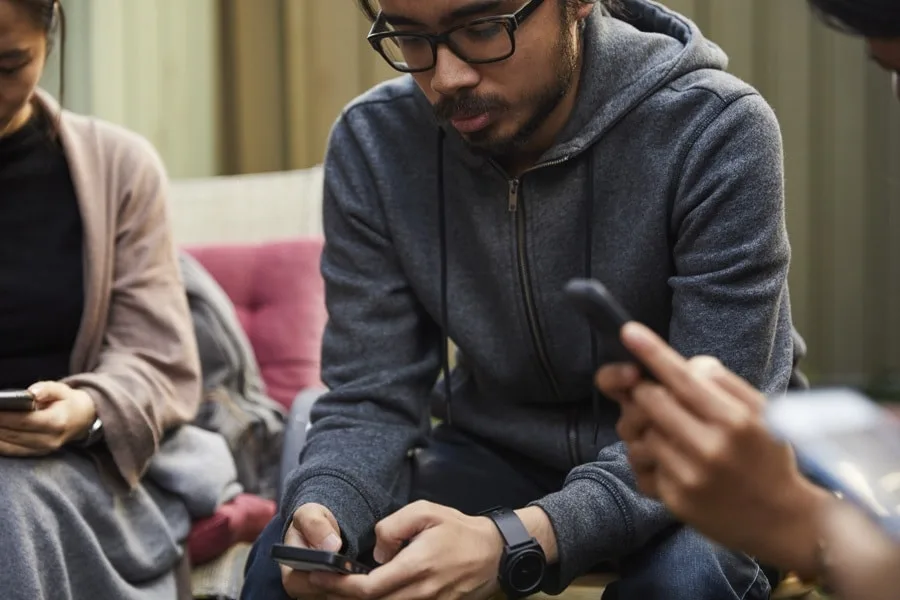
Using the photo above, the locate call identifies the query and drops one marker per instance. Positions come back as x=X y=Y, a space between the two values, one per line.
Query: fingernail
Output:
x=378 y=555
x=635 y=333
x=332 y=543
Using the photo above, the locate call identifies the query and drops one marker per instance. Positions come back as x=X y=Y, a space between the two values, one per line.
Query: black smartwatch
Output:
x=523 y=562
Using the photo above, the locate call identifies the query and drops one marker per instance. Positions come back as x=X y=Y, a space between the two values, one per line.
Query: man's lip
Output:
x=471 y=123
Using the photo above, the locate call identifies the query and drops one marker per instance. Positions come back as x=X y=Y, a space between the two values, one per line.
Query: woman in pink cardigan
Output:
x=94 y=323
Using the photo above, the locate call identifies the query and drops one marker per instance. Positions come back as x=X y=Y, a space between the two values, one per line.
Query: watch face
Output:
x=527 y=571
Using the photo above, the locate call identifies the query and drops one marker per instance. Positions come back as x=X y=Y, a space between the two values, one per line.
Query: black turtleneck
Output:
x=41 y=269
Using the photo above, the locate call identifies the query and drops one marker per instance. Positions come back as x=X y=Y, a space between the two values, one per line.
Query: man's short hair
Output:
x=868 y=18
x=370 y=7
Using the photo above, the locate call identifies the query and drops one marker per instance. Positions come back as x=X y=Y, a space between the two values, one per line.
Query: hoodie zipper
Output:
x=531 y=311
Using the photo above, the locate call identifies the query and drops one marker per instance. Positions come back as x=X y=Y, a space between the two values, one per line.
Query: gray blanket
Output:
x=70 y=534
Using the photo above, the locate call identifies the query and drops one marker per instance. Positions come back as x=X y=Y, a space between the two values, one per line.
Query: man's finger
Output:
x=699 y=395
x=632 y=423
x=674 y=472
x=394 y=531
x=737 y=386
x=671 y=419
x=387 y=578
x=616 y=380
x=317 y=527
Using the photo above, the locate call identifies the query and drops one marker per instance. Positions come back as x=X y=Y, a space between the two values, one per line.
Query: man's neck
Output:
x=546 y=135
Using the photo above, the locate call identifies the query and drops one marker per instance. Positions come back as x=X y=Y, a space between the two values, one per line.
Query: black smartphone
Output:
x=606 y=316
x=306 y=559
x=17 y=400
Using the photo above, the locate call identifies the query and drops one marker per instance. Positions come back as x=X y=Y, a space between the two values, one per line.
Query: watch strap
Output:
x=510 y=526
x=94 y=435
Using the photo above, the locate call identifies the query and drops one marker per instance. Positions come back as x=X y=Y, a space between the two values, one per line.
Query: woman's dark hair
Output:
x=370 y=7
x=868 y=18
x=49 y=16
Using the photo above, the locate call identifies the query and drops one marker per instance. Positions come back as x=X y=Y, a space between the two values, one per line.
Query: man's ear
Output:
x=584 y=9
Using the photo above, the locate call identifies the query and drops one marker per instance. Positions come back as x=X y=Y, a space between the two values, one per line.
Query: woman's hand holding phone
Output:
x=61 y=415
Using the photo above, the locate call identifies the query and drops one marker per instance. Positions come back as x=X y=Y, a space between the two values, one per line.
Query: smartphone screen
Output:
x=847 y=443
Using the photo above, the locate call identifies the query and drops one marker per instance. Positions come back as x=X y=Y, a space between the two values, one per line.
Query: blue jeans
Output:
x=468 y=475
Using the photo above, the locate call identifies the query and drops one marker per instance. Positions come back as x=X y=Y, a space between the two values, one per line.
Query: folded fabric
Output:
x=196 y=466
x=241 y=520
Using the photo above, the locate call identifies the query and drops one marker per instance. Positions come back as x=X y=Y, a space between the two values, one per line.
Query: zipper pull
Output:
x=513 y=195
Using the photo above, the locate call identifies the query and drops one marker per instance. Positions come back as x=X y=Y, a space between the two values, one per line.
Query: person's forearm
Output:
x=538 y=525
x=795 y=534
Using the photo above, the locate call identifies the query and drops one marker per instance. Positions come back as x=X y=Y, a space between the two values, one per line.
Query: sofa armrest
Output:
x=295 y=431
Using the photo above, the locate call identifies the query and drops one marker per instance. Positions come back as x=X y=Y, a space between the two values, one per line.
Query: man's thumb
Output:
x=318 y=528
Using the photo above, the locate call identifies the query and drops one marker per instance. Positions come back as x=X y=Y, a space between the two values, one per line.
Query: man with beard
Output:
x=534 y=141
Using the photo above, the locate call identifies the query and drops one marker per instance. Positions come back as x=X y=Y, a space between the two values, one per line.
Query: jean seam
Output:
x=752 y=581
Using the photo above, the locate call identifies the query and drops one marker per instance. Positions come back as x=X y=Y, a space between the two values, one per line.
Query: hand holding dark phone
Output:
x=606 y=317
x=17 y=400
x=306 y=559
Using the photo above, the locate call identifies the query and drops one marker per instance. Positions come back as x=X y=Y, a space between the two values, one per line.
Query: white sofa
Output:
x=247 y=208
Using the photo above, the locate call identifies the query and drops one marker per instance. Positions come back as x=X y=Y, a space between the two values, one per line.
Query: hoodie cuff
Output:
x=589 y=526
x=350 y=509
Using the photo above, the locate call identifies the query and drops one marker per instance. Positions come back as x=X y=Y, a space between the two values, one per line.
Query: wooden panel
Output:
x=731 y=26
x=151 y=67
x=783 y=67
x=299 y=37
x=259 y=97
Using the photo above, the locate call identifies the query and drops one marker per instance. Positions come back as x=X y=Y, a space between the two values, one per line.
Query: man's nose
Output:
x=452 y=74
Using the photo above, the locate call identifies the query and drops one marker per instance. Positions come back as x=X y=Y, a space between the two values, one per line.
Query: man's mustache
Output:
x=469 y=105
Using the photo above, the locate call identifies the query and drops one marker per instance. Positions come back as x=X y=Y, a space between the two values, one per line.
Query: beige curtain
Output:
x=291 y=65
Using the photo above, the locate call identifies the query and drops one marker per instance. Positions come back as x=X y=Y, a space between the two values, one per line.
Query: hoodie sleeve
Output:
x=730 y=300
x=380 y=359
x=731 y=251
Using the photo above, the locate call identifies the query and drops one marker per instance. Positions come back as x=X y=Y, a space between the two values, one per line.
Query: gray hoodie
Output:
x=666 y=184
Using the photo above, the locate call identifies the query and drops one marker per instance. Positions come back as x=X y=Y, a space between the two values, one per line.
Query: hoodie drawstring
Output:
x=442 y=235
x=588 y=270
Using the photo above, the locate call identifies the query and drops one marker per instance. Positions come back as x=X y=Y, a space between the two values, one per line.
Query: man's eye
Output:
x=9 y=71
x=484 y=31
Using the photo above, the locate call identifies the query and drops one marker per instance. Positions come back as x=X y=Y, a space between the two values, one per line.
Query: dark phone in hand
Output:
x=306 y=559
x=17 y=400
x=606 y=316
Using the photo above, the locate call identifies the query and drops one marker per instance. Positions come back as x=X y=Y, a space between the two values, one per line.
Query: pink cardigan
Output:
x=135 y=352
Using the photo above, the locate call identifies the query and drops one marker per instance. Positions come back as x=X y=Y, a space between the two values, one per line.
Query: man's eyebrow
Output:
x=475 y=9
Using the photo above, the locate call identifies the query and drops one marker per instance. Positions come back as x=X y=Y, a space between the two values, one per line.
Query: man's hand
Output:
x=618 y=382
x=312 y=526
x=717 y=467
x=62 y=415
x=449 y=555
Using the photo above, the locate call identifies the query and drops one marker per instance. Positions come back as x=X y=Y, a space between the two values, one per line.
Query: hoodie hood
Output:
x=621 y=66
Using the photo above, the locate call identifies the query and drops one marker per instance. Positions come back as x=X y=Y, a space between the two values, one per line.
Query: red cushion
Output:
x=279 y=296
x=241 y=520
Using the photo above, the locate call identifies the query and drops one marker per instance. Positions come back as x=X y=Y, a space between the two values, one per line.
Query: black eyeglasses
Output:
x=484 y=40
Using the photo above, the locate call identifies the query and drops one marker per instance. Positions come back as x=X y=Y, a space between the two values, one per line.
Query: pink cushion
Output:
x=241 y=520
x=279 y=296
